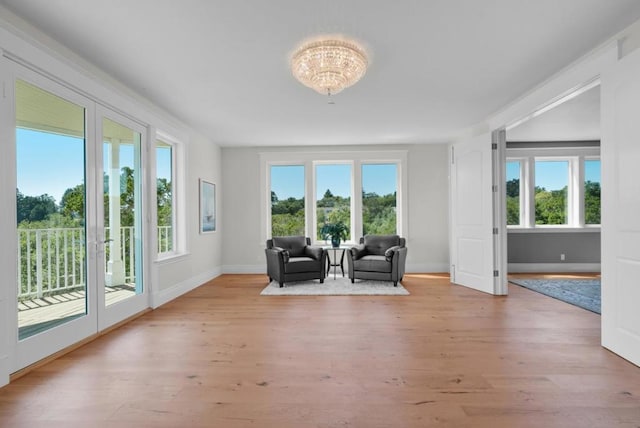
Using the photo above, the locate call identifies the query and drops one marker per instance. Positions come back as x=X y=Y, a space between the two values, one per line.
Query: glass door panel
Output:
x=122 y=212
x=51 y=219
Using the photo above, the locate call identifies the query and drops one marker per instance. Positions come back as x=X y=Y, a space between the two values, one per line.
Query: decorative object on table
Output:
x=337 y=287
x=378 y=257
x=329 y=63
x=335 y=231
x=207 y=207
x=583 y=292
x=293 y=258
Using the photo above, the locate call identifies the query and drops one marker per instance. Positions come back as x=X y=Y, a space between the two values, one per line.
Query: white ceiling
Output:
x=438 y=66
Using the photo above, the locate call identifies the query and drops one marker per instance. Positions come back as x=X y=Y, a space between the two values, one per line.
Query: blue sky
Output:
x=288 y=180
x=553 y=175
x=51 y=163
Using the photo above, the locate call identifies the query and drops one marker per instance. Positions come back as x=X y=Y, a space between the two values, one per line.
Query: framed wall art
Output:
x=207 y=207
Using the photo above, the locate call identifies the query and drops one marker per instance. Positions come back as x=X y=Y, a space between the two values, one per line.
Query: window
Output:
x=551 y=191
x=379 y=188
x=592 y=191
x=287 y=200
x=164 y=193
x=513 y=193
x=553 y=187
x=333 y=195
x=304 y=190
x=170 y=196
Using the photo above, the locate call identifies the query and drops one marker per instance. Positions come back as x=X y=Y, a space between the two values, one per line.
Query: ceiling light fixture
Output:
x=329 y=64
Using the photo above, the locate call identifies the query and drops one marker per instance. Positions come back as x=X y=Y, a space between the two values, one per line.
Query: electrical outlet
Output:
x=561 y=257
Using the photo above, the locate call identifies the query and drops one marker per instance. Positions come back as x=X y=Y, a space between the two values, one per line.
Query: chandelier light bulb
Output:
x=329 y=65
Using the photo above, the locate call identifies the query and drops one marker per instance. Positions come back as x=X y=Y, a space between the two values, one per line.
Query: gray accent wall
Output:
x=578 y=247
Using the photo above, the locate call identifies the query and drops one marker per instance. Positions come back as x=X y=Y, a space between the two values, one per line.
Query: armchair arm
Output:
x=275 y=264
x=390 y=252
x=357 y=251
x=313 y=252
x=284 y=253
x=398 y=261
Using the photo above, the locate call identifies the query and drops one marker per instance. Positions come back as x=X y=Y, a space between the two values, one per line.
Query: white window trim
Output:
x=178 y=195
x=575 y=194
x=356 y=159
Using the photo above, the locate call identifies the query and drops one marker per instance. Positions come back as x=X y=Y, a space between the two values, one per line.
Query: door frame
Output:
x=34 y=348
x=22 y=353
x=110 y=315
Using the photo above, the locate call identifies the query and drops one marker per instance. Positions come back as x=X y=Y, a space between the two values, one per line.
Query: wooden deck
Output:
x=445 y=356
x=37 y=315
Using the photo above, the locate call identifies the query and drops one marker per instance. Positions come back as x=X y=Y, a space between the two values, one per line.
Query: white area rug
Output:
x=335 y=287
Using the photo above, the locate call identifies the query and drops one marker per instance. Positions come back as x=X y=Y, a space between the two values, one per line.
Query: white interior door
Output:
x=620 y=153
x=472 y=239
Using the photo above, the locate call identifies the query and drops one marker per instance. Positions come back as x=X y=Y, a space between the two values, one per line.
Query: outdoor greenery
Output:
x=45 y=227
x=551 y=205
x=378 y=212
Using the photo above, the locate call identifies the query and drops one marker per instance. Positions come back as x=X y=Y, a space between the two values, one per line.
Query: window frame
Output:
x=179 y=231
x=575 y=191
x=356 y=159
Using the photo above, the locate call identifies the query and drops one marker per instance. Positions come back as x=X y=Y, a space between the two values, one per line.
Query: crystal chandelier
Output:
x=329 y=64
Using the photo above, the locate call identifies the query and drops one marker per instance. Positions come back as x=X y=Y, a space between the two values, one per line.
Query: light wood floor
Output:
x=445 y=356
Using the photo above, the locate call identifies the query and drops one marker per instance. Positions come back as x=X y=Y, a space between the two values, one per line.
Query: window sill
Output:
x=553 y=229
x=168 y=258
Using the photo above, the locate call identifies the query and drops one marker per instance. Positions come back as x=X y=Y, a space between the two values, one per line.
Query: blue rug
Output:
x=584 y=293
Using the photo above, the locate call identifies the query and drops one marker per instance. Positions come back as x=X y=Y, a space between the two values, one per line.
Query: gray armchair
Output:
x=378 y=257
x=293 y=258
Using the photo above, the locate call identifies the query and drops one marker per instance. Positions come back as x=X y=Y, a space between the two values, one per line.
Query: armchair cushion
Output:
x=378 y=244
x=302 y=264
x=372 y=263
x=293 y=244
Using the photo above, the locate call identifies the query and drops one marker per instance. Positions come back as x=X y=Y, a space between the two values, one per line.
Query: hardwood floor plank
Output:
x=444 y=356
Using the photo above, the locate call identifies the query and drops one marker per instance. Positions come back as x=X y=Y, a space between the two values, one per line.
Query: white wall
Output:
x=203 y=261
x=427 y=204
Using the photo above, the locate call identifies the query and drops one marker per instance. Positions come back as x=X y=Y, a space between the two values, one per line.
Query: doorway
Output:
x=552 y=186
x=79 y=217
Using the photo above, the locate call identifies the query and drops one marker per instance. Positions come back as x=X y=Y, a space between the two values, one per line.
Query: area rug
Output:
x=584 y=293
x=335 y=287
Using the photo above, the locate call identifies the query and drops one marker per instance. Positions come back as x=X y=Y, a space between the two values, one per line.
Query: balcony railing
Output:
x=52 y=261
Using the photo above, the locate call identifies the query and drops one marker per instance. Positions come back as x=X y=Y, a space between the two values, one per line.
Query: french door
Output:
x=79 y=217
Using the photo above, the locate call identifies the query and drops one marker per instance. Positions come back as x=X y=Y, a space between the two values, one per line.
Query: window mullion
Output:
x=530 y=202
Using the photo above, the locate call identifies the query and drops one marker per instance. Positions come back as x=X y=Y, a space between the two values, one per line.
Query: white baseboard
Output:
x=245 y=269
x=427 y=268
x=553 y=267
x=410 y=268
x=160 y=298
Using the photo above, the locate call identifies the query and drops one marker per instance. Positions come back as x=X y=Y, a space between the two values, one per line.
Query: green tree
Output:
x=164 y=199
x=34 y=208
x=592 y=202
x=287 y=216
x=72 y=203
x=551 y=206
x=378 y=213
x=513 y=201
